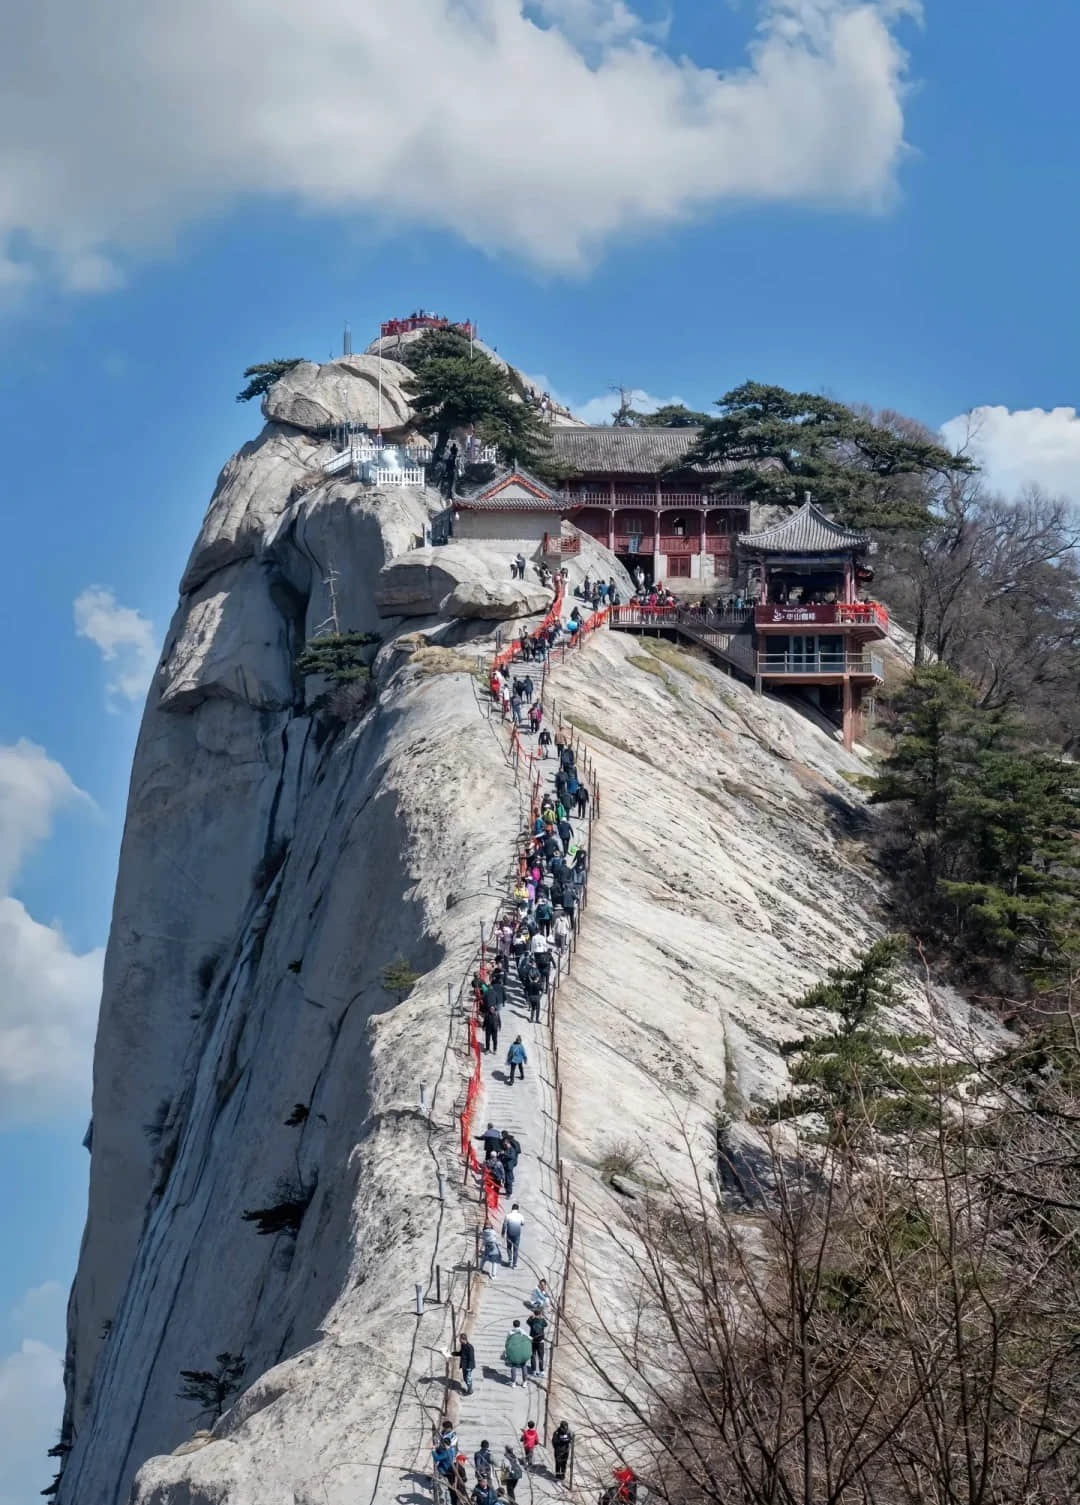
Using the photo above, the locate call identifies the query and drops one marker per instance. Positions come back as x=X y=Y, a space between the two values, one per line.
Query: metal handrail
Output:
x=821 y=663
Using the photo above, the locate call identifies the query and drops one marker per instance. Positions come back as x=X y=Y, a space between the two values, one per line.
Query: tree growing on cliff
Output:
x=212 y=1388
x=458 y=391
x=341 y=657
x=264 y=375
x=983 y=844
x=399 y=978
x=868 y=473
x=857 y=1073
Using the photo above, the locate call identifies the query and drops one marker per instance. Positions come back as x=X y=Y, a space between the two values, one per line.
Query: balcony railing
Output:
x=633 y=543
x=556 y=545
x=832 y=664
x=678 y=543
x=828 y=614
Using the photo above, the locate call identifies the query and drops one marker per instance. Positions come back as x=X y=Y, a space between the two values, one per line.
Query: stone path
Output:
x=497 y=1410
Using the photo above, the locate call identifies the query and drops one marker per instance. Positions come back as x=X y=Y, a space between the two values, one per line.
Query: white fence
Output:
x=412 y=475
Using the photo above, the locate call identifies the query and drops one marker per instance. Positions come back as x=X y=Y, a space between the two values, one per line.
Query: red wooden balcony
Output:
x=556 y=545
x=633 y=543
x=672 y=543
x=868 y=615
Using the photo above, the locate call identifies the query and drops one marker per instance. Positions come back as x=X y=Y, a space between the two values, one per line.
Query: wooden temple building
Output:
x=624 y=488
x=807 y=577
x=627 y=489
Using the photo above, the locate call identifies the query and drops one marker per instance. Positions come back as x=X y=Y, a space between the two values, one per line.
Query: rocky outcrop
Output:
x=458 y=580
x=251 y=1058
x=317 y=398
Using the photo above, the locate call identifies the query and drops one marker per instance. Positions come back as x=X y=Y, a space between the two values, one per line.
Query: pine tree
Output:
x=264 y=375
x=212 y=1388
x=340 y=657
x=857 y=1072
x=783 y=444
x=673 y=415
x=987 y=860
x=458 y=391
x=399 y=978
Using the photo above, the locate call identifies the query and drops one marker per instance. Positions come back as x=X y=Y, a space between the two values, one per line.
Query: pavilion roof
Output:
x=627 y=451
x=512 y=490
x=807 y=531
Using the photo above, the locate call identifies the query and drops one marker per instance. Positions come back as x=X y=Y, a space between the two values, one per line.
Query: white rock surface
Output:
x=270 y=872
x=458 y=580
x=346 y=390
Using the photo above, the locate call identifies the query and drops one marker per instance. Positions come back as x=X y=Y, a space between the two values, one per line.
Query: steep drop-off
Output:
x=272 y=868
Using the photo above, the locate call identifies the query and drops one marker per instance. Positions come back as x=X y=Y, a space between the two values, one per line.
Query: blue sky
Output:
x=867 y=201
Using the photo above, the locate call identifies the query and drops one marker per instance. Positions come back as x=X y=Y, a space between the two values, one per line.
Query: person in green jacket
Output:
x=517 y=1351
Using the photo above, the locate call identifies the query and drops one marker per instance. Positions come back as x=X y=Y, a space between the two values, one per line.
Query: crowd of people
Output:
x=533 y=932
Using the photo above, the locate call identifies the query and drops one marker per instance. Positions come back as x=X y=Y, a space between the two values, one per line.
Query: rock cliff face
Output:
x=249 y=1056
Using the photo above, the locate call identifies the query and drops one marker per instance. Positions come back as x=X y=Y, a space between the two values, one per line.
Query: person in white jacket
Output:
x=513 y=1224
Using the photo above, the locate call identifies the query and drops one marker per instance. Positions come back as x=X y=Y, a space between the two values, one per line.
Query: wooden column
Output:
x=849 y=713
x=611 y=526
x=701 y=556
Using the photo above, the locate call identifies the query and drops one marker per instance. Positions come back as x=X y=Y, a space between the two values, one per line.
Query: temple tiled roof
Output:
x=618 y=451
x=512 y=490
x=807 y=531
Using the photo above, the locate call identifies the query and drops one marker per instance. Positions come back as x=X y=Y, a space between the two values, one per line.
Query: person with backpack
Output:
x=491 y=1022
x=490 y=1252
x=561 y=1440
x=544 y=741
x=581 y=801
x=444 y=1458
x=537 y=1327
x=459 y=1481
x=510 y=1472
x=517 y=1059
x=545 y=916
x=516 y=1351
x=484 y=1463
x=534 y=994
x=510 y=1154
x=530 y=1441
x=513 y=1227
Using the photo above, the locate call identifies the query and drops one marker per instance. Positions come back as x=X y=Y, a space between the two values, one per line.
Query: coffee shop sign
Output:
x=794 y=614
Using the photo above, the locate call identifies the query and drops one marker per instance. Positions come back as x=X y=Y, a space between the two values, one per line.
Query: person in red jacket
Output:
x=530 y=1441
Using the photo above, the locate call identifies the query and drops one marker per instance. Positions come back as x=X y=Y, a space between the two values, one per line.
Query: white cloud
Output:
x=544 y=138
x=1022 y=447
x=33 y=787
x=127 y=641
x=598 y=21
x=41 y=1314
x=31 y=1397
x=48 y=993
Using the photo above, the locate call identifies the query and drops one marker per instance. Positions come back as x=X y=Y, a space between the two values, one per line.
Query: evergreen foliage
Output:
x=673 y=415
x=264 y=375
x=985 y=833
x=212 y=1388
x=456 y=390
x=340 y=657
x=287 y=1213
x=435 y=344
x=783 y=444
x=399 y=978
x=856 y=1072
